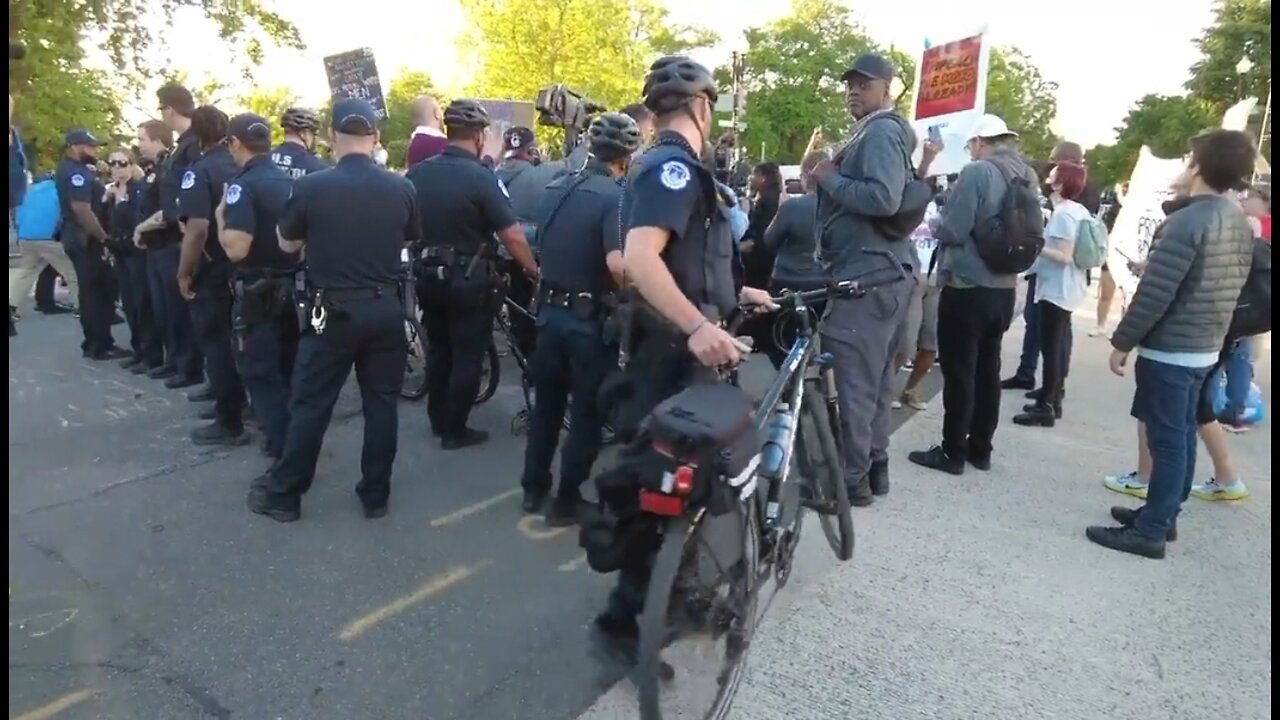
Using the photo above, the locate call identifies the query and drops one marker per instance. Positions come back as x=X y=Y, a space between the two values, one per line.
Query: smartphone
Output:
x=935 y=134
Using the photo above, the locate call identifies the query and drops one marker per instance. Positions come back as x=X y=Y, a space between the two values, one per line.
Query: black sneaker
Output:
x=860 y=494
x=1018 y=382
x=533 y=502
x=1127 y=540
x=177 y=382
x=217 y=434
x=1126 y=517
x=980 y=462
x=1035 y=416
x=563 y=513
x=164 y=372
x=935 y=458
x=878 y=477
x=260 y=503
x=465 y=439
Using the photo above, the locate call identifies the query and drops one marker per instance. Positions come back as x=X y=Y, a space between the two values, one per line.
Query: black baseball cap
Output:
x=353 y=116
x=80 y=136
x=249 y=127
x=518 y=137
x=872 y=65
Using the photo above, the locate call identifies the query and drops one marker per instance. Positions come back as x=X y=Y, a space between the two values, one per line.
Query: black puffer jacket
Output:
x=1198 y=264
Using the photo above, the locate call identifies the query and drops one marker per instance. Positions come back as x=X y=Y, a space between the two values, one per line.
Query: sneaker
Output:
x=911 y=398
x=1214 y=490
x=1128 y=483
x=1099 y=332
x=1018 y=383
x=1126 y=540
x=1127 y=516
x=935 y=458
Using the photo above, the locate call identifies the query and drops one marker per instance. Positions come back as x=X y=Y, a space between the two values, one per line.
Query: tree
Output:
x=1163 y=122
x=401 y=92
x=270 y=103
x=54 y=89
x=1018 y=93
x=1241 y=29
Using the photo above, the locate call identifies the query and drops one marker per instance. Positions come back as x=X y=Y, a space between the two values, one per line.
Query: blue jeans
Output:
x=1165 y=400
x=1238 y=366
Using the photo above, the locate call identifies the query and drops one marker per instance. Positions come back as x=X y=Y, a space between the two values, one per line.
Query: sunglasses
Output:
x=118 y=163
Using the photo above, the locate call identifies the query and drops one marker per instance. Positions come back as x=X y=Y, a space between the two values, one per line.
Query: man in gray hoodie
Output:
x=975 y=306
x=860 y=188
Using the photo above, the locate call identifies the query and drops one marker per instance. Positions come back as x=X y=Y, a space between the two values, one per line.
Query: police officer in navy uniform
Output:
x=264 y=317
x=580 y=255
x=295 y=156
x=204 y=276
x=354 y=220
x=80 y=201
x=463 y=205
x=678 y=255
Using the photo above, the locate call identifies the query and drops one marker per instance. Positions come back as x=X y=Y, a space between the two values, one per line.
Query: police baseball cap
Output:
x=81 y=137
x=353 y=116
x=871 y=65
x=249 y=127
x=517 y=138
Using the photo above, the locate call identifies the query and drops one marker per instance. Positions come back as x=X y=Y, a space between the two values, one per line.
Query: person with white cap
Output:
x=991 y=230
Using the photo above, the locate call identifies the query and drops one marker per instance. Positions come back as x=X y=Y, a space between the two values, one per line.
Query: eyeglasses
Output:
x=118 y=163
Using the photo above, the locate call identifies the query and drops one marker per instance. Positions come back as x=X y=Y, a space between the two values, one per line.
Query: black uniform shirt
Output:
x=665 y=196
x=578 y=227
x=76 y=182
x=461 y=202
x=254 y=203
x=173 y=169
x=149 y=204
x=355 y=218
x=295 y=160
x=201 y=193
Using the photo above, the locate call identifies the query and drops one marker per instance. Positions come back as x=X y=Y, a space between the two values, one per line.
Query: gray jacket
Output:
x=973 y=203
x=526 y=182
x=1199 y=261
x=874 y=170
x=790 y=237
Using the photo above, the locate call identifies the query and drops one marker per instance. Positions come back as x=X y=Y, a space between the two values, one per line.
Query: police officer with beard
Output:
x=264 y=319
x=463 y=205
x=354 y=221
x=294 y=155
x=678 y=254
x=580 y=255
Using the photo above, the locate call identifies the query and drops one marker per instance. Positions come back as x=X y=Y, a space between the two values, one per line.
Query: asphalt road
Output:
x=141 y=588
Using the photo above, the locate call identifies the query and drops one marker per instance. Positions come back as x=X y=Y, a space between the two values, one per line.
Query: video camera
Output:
x=558 y=106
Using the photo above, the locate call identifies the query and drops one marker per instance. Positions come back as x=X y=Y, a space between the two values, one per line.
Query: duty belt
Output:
x=326 y=303
x=582 y=303
x=452 y=256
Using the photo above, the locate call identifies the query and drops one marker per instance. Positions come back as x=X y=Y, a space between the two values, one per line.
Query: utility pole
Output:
x=736 y=67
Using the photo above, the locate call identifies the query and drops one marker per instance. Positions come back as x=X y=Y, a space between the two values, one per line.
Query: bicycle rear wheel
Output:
x=684 y=615
x=489 y=374
x=415 y=368
x=818 y=459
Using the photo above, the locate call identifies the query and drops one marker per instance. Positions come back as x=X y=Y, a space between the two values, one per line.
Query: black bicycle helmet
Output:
x=466 y=114
x=300 y=120
x=673 y=80
x=612 y=136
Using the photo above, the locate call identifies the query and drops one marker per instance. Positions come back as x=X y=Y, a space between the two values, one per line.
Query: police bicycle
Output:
x=710 y=567
x=414 y=385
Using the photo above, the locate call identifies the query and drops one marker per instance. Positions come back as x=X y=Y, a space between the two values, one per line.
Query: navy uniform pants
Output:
x=569 y=364
x=135 y=296
x=370 y=338
x=266 y=347
x=457 y=316
x=211 y=315
x=96 y=301
x=172 y=312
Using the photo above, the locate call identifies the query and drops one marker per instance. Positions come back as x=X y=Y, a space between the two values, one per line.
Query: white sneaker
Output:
x=1099 y=332
x=1212 y=489
x=1128 y=483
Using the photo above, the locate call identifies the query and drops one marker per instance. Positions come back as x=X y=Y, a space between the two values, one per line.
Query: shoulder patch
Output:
x=233 y=194
x=151 y=178
x=77 y=180
x=675 y=175
x=188 y=180
x=503 y=187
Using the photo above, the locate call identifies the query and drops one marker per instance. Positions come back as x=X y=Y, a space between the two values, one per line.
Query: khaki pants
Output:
x=35 y=255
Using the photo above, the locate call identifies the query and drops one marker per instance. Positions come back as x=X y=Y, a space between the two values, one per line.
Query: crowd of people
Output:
x=253 y=270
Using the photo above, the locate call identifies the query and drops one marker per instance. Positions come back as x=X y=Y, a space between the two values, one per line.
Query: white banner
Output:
x=951 y=94
x=1140 y=214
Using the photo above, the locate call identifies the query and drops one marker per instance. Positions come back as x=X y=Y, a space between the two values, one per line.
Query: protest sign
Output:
x=951 y=94
x=1141 y=212
x=354 y=74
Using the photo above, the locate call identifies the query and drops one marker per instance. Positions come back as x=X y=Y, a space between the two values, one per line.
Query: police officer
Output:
x=176 y=109
x=678 y=254
x=204 y=276
x=295 y=155
x=580 y=255
x=354 y=221
x=264 y=317
x=526 y=178
x=80 y=200
x=463 y=205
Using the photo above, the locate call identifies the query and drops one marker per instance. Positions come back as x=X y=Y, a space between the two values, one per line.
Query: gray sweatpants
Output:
x=863 y=334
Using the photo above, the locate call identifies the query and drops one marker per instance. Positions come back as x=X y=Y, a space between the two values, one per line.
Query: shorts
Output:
x=920 y=324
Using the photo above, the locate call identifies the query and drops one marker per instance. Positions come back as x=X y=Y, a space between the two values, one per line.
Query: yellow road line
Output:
x=573 y=564
x=529 y=527
x=46 y=712
x=469 y=510
x=431 y=588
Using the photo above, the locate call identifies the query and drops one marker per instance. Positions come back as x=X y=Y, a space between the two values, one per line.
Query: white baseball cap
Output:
x=990 y=126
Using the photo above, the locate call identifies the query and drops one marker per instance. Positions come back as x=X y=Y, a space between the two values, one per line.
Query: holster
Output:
x=262 y=300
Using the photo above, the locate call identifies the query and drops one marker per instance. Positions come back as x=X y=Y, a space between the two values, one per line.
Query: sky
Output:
x=1104 y=54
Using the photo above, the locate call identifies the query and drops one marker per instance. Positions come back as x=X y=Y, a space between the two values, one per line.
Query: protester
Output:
x=918 y=346
x=790 y=238
x=427 y=139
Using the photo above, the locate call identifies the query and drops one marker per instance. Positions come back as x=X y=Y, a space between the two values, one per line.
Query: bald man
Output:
x=427 y=139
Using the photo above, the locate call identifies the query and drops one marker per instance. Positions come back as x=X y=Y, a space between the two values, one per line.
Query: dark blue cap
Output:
x=249 y=127
x=80 y=136
x=353 y=116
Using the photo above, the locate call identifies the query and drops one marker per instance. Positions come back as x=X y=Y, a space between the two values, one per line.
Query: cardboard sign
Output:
x=354 y=74
x=951 y=95
x=1141 y=212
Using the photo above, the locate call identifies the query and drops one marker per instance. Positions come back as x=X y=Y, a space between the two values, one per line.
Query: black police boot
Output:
x=563 y=512
x=533 y=502
x=878 y=477
x=935 y=458
x=217 y=434
x=200 y=394
x=1037 y=415
x=177 y=382
x=261 y=503
x=465 y=439
x=1017 y=382
x=164 y=372
x=129 y=362
x=208 y=412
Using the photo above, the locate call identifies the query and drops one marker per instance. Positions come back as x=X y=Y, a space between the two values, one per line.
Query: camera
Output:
x=558 y=106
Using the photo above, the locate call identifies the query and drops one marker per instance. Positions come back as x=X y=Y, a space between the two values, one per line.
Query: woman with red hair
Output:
x=1060 y=288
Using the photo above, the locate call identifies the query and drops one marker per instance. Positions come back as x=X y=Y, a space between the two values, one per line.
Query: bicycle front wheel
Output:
x=414 y=385
x=489 y=374
x=818 y=458
x=700 y=615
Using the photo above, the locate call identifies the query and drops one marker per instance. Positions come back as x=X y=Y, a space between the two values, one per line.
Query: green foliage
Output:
x=401 y=92
x=270 y=103
x=1241 y=29
x=1162 y=122
x=1018 y=93
x=52 y=88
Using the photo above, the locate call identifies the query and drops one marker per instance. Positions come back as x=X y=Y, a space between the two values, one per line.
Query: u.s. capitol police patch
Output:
x=675 y=175
x=188 y=180
x=503 y=187
x=77 y=180
x=233 y=194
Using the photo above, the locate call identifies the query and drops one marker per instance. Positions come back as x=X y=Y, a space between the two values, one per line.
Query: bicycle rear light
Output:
x=682 y=481
x=656 y=503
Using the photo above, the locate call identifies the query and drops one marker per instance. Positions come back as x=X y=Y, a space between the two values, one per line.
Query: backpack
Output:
x=1015 y=237
x=1252 y=315
x=39 y=216
x=1091 y=244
